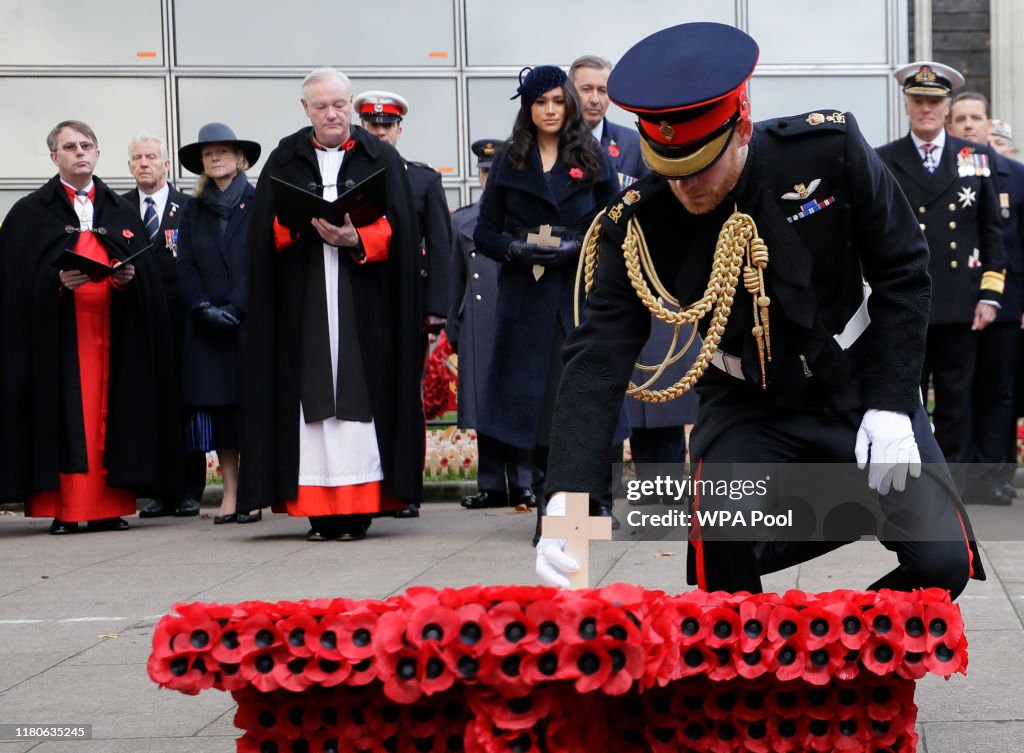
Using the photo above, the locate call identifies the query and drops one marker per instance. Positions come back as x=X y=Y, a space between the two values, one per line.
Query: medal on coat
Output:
x=974 y=260
x=1004 y=204
x=171 y=241
x=966 y=196
x=969 y=164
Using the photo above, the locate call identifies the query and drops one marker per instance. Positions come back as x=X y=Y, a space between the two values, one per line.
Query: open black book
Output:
x=97 y=270
x=364 y=203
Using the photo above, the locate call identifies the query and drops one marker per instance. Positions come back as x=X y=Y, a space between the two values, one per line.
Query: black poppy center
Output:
x=264 y=663
x=548 y=632
x=515 y=632
x=937 y=627
x=787 y=655
x=882 y=624
x=264 y=638
x=787 y=628
x=819 y=627
x=693 y=658
x=297 y=637
x=723 y=629
x=753 y=628
x=329 y=640
x=266 y=719
x=510 y=665
x=851 y=625
x=199 y=639
x=883 y=653
x=589 y=663
x=470 y=633
x=548 y=664
x=229 y=639
x=432 y=632
x=179 y=666
x=468 y=666
x=361 y=638
x=435 y=668
x=689 y=627
x=406 y=668
x=819 y=658
x=588 y=629
x=914 y=627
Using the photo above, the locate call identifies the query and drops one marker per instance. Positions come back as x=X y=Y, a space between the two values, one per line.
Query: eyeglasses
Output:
x=72 y=147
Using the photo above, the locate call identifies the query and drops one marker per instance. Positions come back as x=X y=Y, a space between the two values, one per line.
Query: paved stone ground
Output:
x=77 y=612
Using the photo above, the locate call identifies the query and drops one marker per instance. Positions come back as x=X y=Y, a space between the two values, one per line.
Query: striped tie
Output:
x=929 y=158
x=151 y=221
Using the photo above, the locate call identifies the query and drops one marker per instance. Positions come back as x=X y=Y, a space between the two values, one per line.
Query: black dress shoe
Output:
x=187 y=508
x=409 y=512
x=986 y=494
x=481 y=500
x=60 y=528
x=156 y=508
x=524 y=497
x=231 y=517
x=356 y=531
x=108 y=524
x=247 y=517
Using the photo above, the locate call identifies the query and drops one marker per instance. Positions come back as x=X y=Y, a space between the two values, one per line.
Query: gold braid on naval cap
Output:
x=738 y=246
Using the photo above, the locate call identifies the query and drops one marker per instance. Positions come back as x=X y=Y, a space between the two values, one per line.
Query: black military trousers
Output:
x=923 y=523
x=502 y=467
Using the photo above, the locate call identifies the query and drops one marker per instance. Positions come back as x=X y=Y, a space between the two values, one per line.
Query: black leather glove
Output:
x=217 y=320
x=530 y=253
x=568 y=251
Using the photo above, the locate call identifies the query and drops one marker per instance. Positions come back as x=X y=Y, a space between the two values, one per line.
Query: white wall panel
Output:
x=266 y=109
x=315 y=33
x=70 y=32
x=535 y=32
x=864 y=96
x=116 y=108
x=825 y=31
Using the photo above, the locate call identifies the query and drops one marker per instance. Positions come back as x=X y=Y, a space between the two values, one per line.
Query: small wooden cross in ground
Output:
x=578 y=529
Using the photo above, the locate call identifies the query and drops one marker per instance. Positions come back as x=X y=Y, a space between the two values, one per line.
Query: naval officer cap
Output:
x=687 y=86
x=928 y=79
x=485 y=149
x=381 y=107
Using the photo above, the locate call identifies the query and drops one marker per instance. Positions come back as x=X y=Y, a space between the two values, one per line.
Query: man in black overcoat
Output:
x=842 y=382
x=372 y=392
x=160 y=205
x=42 y=433
x=949 y=184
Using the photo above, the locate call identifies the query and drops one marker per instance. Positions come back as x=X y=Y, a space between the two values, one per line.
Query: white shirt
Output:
x=83 y=205
x=598 y=131
x=159 y=198
x=939 y=142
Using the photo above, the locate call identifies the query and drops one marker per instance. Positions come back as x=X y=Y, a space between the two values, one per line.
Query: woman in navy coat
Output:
x=212 y=239
x=551 y=173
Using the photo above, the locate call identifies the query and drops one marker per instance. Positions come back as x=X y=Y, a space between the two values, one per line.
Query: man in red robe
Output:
x=332 y=415
x=88 y=392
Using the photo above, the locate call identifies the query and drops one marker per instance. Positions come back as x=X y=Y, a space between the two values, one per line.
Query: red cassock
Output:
x=85 y=496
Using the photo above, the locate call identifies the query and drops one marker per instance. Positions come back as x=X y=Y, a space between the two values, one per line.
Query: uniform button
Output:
x=922 y=227
x=952 y=264
x=472 y=254
x=952 y=245
x=477 y=297
x=952 y=226
x=476 y=275
x=952 y=207
x=921 y=210
x=423 y=273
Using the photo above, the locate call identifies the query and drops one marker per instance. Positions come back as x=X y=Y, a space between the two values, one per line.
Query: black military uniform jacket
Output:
x=829 y=212
x=958 y=210
x=435 y=224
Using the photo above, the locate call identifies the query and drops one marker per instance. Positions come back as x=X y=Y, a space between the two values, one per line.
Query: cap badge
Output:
x=632 y=196
x=488 y=149
x=800 y=191
x=925 y=76
x=378 y=107
x=815 y=118
x=667 y=132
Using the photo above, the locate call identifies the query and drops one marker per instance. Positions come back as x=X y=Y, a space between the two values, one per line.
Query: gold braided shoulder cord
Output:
x=737 y=243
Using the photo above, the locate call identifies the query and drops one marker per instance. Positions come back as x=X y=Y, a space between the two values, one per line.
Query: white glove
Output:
x=552 y=561
x=893 y=451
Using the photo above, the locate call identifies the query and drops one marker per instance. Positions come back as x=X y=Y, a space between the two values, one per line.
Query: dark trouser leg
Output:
x=491 y=455
x=992 y=414
x=654 y=449
x=922 y=524
x=195 y=475
x=328 y=526
x=951 y=352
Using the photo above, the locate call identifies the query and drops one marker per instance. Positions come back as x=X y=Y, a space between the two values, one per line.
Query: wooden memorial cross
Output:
x=578 y=529
x=542 y=237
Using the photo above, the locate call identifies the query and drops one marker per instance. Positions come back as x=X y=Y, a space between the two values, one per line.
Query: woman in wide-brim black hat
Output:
x=211 y=267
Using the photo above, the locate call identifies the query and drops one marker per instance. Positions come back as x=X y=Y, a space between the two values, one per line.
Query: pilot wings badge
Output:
x=801 y=191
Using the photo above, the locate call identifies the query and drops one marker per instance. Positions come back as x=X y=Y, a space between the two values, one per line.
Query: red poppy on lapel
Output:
x=613 y=150
x=576 y=173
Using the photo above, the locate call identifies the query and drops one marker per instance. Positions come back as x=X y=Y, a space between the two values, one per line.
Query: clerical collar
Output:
x=320 y=147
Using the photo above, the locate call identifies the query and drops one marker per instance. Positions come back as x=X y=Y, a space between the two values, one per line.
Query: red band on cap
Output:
x=688 y=131
x=376 y=108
